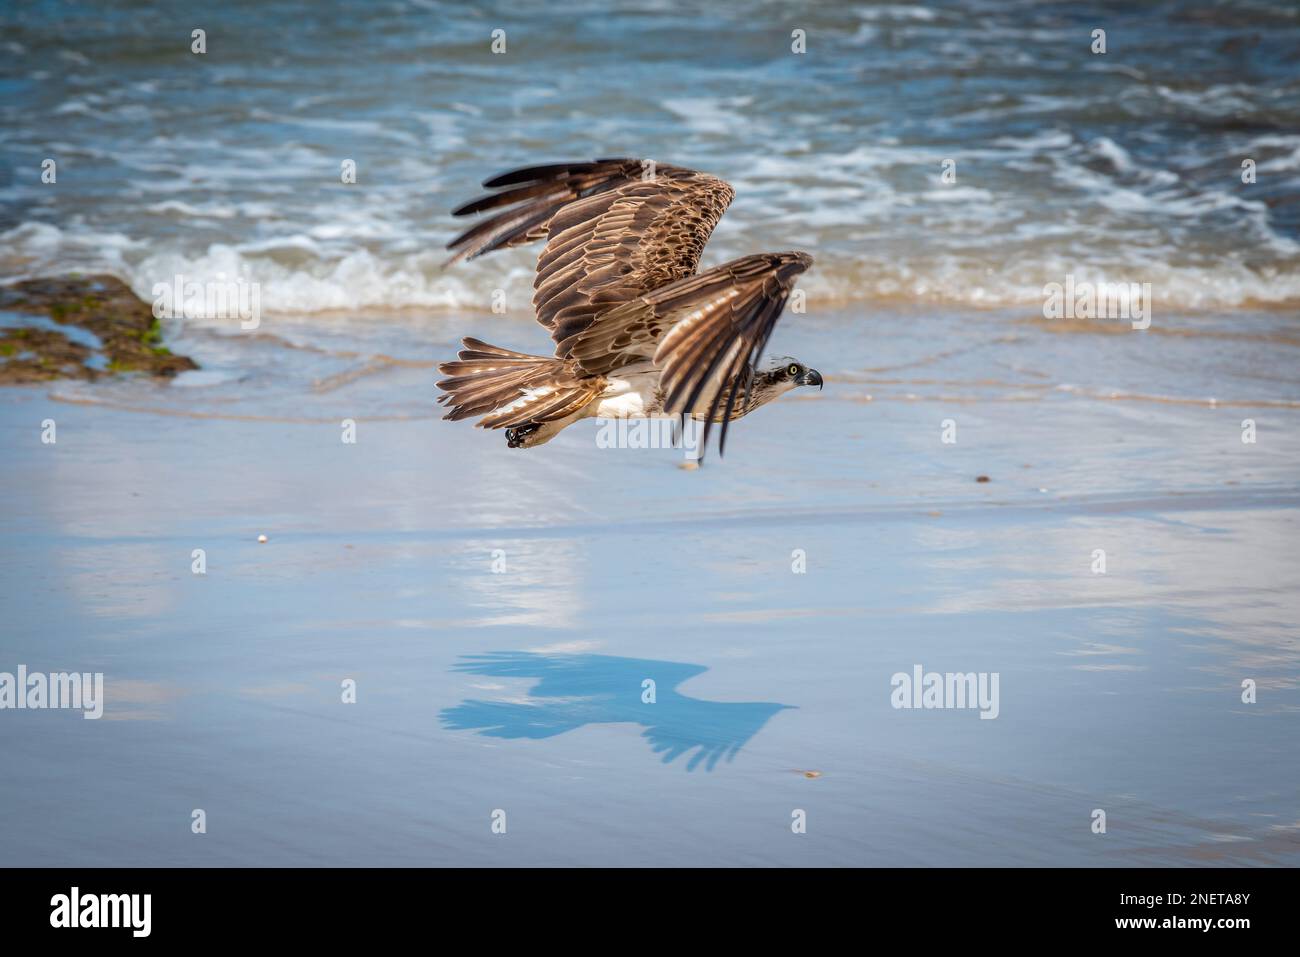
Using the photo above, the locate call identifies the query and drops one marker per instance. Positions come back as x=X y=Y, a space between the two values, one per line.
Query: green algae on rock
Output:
x=124 y=335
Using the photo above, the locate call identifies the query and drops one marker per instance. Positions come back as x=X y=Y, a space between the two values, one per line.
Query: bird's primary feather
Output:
x=617 y=286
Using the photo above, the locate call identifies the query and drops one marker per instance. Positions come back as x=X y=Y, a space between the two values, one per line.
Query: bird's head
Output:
x=780 y=374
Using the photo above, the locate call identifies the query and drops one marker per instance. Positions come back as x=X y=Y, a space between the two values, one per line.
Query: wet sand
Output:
x=500 y=610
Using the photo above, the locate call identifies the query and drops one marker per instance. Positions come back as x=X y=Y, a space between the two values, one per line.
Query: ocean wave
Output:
x=301 y=274
x=1114 y=168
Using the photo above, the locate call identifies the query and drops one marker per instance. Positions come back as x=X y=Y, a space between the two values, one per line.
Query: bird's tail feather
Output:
x=511 y=388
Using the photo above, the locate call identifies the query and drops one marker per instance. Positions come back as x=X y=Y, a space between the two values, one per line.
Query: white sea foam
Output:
x=1063 y=163
x=897 y=12
x=299 y=273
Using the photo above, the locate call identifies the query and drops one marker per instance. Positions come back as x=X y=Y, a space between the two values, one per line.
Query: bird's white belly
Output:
x=632 y=392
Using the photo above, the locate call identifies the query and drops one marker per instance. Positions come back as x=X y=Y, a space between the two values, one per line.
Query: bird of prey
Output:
x=575 y=690
x=639 y=331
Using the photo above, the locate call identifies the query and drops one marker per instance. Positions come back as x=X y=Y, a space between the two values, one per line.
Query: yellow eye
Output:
x=794 y=370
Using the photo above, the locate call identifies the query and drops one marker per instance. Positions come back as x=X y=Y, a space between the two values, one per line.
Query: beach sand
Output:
x=500 y=610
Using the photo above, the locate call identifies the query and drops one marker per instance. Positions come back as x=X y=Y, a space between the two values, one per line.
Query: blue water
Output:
x=1122 y=166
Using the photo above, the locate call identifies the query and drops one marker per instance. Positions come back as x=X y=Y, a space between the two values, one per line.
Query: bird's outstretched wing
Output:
x=615 y=229
x=704 y=332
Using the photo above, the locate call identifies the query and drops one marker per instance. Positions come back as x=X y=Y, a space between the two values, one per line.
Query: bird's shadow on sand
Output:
x=573 y=690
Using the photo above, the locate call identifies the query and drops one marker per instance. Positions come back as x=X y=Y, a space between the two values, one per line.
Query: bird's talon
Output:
x=515 y=437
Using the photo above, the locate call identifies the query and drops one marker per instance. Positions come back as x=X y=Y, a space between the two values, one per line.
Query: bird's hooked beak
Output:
x=811 y=377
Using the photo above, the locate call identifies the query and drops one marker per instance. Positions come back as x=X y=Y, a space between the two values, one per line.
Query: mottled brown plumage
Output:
x=617 y=287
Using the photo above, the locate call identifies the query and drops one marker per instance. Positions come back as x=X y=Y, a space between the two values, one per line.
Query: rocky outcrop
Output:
x=80 y=327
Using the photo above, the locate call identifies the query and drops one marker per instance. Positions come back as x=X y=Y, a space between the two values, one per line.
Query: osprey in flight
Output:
x=639 y=331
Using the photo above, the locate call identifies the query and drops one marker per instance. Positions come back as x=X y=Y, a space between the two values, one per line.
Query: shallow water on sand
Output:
x=522 y=690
